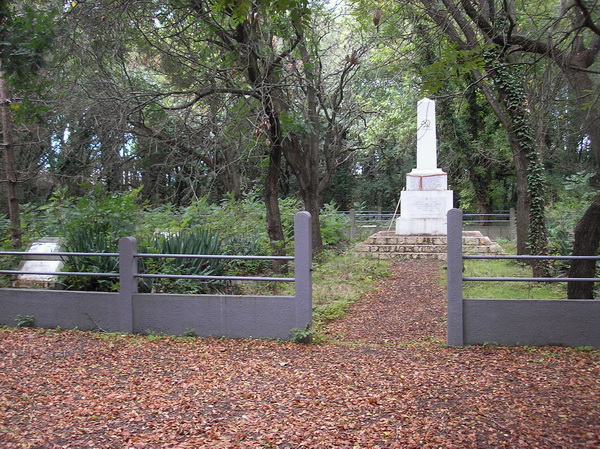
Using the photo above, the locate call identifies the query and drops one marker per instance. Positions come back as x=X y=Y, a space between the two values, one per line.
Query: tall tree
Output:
x=185 y=57
x=25 y=34
x=9 y=163
x=567 y=35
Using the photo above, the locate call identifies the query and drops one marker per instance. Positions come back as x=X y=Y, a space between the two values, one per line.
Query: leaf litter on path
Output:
x=385 y=380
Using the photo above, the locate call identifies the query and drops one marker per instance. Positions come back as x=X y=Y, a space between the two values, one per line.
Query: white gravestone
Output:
x=35 y=263
x=426 y=200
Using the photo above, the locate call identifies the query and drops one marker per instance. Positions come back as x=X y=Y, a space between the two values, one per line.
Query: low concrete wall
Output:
x=532 y=322
x=512 y=321
x=69 y=310
x=208 y=315
x=216 y=316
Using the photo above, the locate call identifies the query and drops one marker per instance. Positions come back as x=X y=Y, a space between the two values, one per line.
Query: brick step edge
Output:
x=369 y=248
x=389 y=256
x=425 y=241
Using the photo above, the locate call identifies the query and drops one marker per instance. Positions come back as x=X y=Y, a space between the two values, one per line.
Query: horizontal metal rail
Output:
x=61 y=254
x=212 y=256
x=486 y=215
x=169 y=256
x=523 y=279
x=149 y=276
x=224 y=278
x=59 y=273
x=487 y=221
x=527 y=256
x=529 y=279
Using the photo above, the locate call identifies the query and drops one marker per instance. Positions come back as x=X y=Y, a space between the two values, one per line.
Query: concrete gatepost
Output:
x=455 y=329
x=303 y=270
x=128 y=284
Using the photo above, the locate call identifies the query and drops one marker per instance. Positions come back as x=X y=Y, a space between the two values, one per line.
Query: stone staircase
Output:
x=389 y=245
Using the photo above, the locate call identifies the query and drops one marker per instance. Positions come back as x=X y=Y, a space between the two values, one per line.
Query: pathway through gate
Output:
x=408 y=306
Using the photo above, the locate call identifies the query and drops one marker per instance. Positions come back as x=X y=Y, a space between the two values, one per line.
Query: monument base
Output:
x=424 y=212
x=418 y=226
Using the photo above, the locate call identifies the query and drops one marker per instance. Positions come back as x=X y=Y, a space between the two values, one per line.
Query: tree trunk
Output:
x=521 y=166
x=312 y=204
x=9 y=159
x=587 y=231
x=274 y=227
x=587 y=241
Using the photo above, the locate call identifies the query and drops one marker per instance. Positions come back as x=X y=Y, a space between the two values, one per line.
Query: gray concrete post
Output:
x=303 y=269
x=512 y=233
x=454 y=329
x=128 y=284
x=352 y=224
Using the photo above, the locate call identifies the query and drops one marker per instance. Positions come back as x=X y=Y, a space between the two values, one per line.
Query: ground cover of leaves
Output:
x=384 y=379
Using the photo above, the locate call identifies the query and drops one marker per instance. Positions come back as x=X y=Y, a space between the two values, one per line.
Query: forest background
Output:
x=179 y=106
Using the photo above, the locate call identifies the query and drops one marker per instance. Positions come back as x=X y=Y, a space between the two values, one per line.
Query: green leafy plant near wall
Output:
x=95 y=223
x=90 y=240
x=199 y=242
x=25 y=320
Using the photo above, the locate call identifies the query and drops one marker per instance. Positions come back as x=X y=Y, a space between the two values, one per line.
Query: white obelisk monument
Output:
x=426 y=200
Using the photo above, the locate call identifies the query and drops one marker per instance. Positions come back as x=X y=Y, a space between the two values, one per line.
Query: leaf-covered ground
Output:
x=383 y=380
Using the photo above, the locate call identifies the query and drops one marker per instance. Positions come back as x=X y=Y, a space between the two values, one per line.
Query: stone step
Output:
x=416 y=240
x=388 y=245
x=483 y=249
x=391 y=256
x=402 y=248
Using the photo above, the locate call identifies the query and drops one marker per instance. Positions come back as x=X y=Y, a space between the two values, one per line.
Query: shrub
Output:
x=333 y=225
x=200 y=242
x=25 y=320
x=90 y=240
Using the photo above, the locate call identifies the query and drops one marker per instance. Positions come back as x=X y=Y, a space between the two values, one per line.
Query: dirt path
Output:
x=408 y=306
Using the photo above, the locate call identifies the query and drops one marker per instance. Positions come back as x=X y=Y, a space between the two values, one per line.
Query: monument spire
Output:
x=426 y=136
x=426 y=200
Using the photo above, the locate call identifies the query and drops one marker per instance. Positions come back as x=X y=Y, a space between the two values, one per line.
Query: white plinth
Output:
x=426 y=180
x=420 y=226
x=424 y=212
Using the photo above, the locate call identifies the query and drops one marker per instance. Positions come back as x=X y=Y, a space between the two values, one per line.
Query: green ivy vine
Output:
x=509 y=79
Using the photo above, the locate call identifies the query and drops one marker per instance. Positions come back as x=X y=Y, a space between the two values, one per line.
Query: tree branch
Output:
x=588 y=22
x=200 y=95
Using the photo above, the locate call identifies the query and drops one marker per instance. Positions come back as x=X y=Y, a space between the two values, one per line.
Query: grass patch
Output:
x=507 y=290
x=339 y=281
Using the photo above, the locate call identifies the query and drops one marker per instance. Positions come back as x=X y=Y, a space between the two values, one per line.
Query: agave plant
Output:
x=199 y=242
x=90 y=240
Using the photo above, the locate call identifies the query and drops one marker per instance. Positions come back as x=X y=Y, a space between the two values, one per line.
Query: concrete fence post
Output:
x=512 y=226
x=455 y=329
x=352 y=224
x=128 y=284
x=303 y=269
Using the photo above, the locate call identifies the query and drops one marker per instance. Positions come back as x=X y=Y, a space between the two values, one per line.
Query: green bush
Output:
x=96 y=223
x=198 y=243
x=90 y=240
x=333 y=226
x=25 y=321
